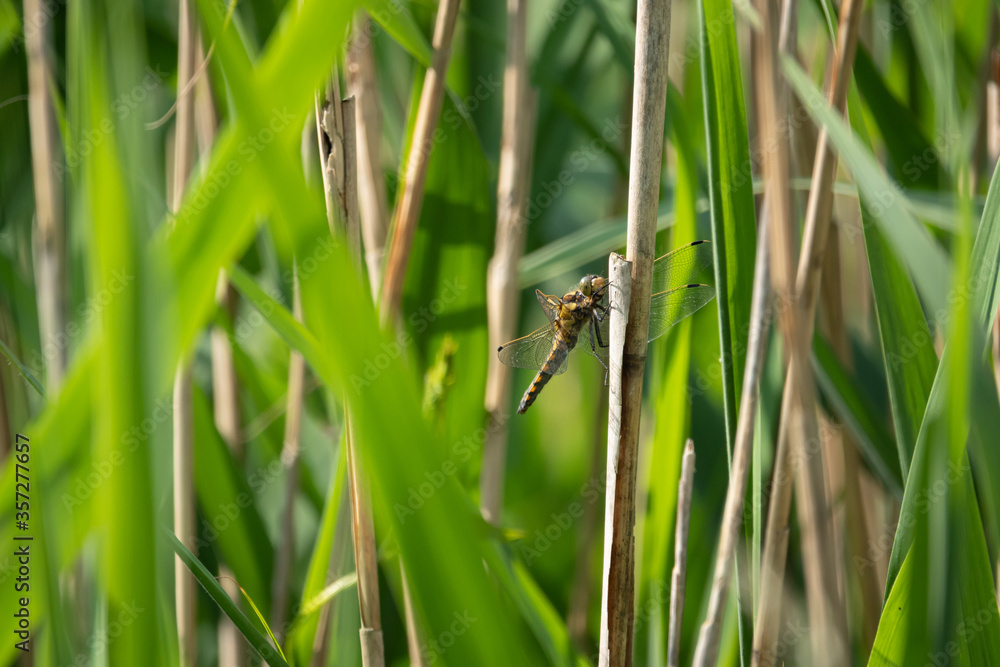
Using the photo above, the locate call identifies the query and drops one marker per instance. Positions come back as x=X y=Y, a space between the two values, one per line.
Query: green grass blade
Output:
x=21 y=368
x=734 y=230
x=228 y=503
x=257 y=640
x=855 y=410
x=925 y=261
x=303 y=634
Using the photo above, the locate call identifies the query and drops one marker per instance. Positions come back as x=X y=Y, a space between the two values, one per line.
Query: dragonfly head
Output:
x=593 y=285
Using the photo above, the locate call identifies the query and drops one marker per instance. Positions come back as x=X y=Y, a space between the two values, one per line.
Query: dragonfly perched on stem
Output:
x=584 y=310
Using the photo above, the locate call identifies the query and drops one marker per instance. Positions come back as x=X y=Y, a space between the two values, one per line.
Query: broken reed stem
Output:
x=501 y=275
x=49 y=229
x=798 y=418
x=185 y=590
x=648 y=115
x=363 y=86
x=677 y=578
x=338 y=152
x=619 y=298
x=414 y=175
x=706 y=650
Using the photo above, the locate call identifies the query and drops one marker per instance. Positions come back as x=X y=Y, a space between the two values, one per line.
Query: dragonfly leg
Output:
x=596 y=330
x=595 y=334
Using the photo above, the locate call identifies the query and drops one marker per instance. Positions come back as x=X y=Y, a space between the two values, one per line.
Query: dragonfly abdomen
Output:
x=561 y=345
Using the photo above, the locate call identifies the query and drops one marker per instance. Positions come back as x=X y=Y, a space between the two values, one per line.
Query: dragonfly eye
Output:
x=585 y=286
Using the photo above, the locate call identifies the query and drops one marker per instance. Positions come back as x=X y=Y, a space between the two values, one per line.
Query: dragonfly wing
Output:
x=550 y=304
x=691 y=263
x=668 y=308
x=530 y=351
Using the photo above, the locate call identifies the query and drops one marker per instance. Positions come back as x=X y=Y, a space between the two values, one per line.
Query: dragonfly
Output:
x=583 y=312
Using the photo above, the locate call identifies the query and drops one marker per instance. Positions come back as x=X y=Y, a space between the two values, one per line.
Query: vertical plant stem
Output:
x=798 y=419
x=677 y=578
x=512 y=194
x=49 y=232
x=619 y=293
x=856 y=523
x=184 y=510
x=413 y=644
x=706 y=650
x=290 y=459
x=648 y=111
x=337 y=143
x=363 y=86
x=415 y=173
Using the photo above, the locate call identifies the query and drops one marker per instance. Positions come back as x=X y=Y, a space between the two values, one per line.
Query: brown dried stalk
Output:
x=680 y=556
x=512 y=194
x=856 y=524
x=829 y=638
x=649 y=106
x=708 y=638
x=49 y=232
x=362 y=85
x=415 y=174
x=183 y=459
x=338 y=142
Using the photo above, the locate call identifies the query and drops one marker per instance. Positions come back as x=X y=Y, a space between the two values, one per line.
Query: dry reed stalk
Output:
x=829 y=640
x=856 y=521
x=336 y=131
x=407 y=213
x=49 y=230
x=290 y=459
x=513 y=183
x=648 y=114
x=677 y=577
x=363 y=86
x=619 y=297
x=706 y=649
x=185 y=591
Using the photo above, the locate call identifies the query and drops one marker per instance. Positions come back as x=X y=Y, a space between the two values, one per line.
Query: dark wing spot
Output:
x=499 y=348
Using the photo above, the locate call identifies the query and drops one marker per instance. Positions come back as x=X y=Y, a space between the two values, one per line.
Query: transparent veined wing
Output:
x=530 y=351
x=689 y=264
x=549 y=303
x=668 y=308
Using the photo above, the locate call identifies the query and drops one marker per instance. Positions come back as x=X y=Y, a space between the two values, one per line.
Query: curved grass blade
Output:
x=22 y=369
x=258 y=641
x=315 y=603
